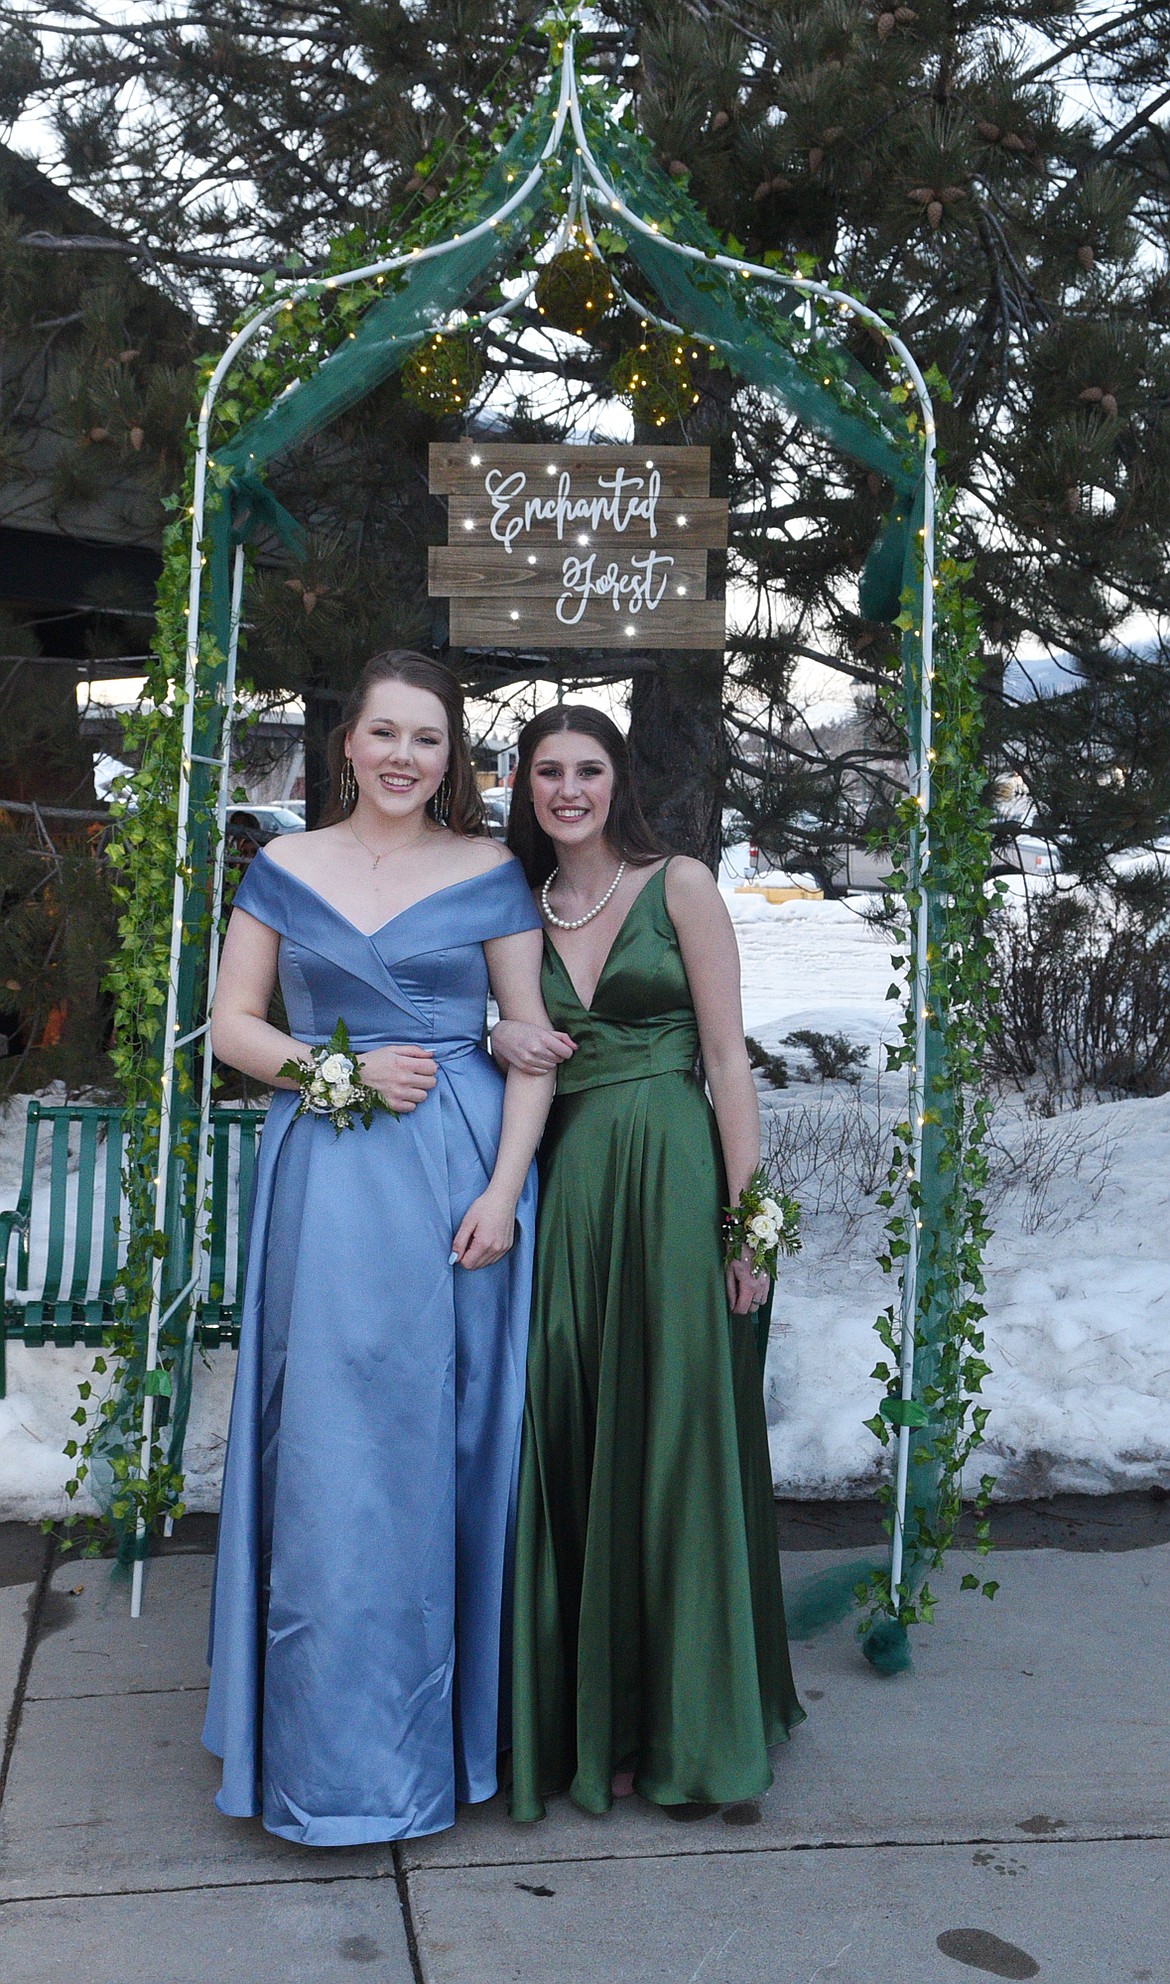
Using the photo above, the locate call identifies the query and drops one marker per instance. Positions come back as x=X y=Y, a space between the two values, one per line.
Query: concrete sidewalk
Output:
x=1002 y=1811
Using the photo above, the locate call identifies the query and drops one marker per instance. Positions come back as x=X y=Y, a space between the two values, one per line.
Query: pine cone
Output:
x=1085 y=256
x=1109 y=405
x=921 y=193
x=136 y=437
x=1093 y=394
x=1013 y=142
x=950 y=194
x=991 y=132
x=720 y=121
x=677 y=169
x=1072 y=500
x=886 y=23
x=832 y=133
x=905 y=16
x=934 y=212
x=762 y=191
x=99 y=434
x=816 y=157
x=780 y=184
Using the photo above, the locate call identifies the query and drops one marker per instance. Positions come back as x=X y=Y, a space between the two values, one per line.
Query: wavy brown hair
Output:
x=464 y=807
x=626 y=829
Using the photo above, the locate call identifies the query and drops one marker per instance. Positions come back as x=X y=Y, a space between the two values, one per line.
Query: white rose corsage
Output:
x=764 y=1225
x=331 y=1085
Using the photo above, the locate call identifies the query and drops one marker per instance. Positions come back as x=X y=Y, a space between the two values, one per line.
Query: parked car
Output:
x=250 y=827
x=1026 y=854
x=267 y=820
x=497 y=800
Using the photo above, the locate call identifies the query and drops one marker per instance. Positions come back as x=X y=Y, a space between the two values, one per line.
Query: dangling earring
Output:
x=442 y=800
x=348 y=792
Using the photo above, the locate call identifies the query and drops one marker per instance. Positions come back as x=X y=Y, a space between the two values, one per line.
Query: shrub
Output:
x=1082 y=980
x=834 y=1056
x=57 y=934
x=773 y=1067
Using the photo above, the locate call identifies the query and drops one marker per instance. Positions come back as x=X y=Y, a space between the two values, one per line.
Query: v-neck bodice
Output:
x=420 y=978
x=641 y=1021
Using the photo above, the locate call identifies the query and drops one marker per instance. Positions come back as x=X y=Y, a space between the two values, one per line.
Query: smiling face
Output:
x=572 y=787
x=399 y=749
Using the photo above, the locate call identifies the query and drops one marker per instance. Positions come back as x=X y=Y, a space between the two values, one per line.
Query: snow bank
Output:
x=1078 y=1331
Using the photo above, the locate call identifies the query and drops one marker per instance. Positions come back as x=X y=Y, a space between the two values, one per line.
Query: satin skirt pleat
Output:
x=649 y=1621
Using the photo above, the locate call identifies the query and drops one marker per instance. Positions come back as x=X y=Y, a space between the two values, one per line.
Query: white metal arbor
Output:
x=591 y=193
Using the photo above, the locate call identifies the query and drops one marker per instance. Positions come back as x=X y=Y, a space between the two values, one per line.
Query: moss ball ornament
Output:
x=441 y=375
x=573 y=292
x=655 y=379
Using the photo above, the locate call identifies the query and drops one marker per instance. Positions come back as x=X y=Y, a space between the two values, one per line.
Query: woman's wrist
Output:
x=501 y=1192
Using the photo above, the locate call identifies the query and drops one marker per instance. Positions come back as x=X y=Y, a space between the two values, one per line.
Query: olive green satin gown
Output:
x=649 y=1623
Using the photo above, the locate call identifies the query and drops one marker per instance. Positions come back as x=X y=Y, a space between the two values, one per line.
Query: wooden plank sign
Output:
x=577 y=547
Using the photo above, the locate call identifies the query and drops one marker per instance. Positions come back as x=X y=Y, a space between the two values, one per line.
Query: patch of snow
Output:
x=1078 y=1273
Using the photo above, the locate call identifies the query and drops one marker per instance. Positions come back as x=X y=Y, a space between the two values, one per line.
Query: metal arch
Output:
x=568 y=111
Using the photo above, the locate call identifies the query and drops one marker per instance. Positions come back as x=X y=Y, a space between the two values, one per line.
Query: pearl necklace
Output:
x=576 y=922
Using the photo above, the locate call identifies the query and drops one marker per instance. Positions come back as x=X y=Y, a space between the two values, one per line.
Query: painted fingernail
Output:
x=452 y=1258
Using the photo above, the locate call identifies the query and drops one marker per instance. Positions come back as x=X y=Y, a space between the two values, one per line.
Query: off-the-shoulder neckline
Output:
x=498 y=868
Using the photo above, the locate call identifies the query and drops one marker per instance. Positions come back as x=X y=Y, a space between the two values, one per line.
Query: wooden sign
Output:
x=577 y=547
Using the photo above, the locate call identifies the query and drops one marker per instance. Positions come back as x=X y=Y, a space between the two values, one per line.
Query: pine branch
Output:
x=186 y=258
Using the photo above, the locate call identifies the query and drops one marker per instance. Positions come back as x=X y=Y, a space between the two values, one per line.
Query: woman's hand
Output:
x=403 y=1076
x=746 y=1291
x=485 y=1232
x=532 y=1050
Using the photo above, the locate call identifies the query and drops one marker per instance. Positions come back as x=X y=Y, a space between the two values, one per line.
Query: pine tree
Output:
x=928 y=155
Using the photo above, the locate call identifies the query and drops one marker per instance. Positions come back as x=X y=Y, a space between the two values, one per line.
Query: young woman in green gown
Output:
x=649 y=1646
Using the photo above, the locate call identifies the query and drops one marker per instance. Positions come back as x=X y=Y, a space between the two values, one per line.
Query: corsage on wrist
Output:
x=761 y=1225
x=331 y=1085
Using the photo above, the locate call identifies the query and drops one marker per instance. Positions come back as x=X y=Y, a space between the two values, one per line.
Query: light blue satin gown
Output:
x=362 y=1576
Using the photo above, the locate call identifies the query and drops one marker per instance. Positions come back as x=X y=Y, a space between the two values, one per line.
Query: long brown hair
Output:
x=626 y=829
x=464 y=806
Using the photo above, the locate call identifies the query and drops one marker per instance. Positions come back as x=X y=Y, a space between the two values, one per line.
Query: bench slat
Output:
x=221 y=1156
x=58 y=1188
x=86 y=1208
x=115 y=1139
x=249 y=1134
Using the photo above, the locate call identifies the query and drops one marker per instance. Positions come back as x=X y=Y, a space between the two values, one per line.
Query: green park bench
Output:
x=70 y=1228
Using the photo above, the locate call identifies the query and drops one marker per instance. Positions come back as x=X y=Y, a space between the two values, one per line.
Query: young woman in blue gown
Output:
x=362 y=1581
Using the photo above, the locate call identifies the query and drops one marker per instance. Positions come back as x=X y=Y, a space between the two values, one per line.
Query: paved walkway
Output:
x=1002 y=1811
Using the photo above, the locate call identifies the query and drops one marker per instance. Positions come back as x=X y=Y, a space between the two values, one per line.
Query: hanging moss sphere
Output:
x=441 y=375
x=655 y=378
x=573 y=292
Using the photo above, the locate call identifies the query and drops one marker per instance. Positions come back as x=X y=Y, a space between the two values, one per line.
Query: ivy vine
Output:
x=947 y=1420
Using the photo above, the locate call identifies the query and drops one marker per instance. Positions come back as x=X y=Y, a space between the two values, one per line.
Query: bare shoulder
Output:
x=300 y=853
x=690 y=883
x=482 y=855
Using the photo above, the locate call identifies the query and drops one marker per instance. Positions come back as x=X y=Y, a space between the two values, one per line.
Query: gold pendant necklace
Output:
x=375 y=858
